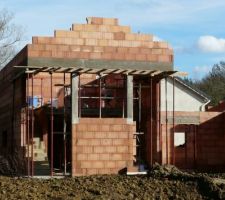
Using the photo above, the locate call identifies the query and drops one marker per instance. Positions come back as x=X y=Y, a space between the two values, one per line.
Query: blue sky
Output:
x=194 y=28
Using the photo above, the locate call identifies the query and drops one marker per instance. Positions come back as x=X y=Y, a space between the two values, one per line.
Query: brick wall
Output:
x=204 y=147
x=102 y=146
x=210 y=141
x=218 y=108
x=99 y=39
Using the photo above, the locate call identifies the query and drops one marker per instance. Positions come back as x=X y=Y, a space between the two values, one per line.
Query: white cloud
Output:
x=212 y=44
x=200 y=71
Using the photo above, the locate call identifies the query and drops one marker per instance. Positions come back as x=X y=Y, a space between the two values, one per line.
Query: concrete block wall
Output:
x=102 y=146
x=101 y=38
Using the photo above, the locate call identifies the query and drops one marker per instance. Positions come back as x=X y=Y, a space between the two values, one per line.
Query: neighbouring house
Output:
x=100 y=99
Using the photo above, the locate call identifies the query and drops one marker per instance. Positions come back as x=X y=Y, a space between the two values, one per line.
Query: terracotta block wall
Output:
x=211 y=141
x=102 y=146
x=204 y=147
x=101 y=38
x=181 y=156
x=42 y=85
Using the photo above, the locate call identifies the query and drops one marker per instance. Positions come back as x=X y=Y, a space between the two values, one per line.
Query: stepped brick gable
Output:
x=101 y=38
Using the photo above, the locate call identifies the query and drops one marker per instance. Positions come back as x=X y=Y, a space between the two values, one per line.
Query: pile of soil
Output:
x=98 y=187
x=163 y=182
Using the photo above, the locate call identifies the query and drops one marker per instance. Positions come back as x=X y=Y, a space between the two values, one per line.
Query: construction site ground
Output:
x=163 y=182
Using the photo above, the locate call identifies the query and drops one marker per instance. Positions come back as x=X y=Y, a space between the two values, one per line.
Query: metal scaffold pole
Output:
x=28 y=128
x=64 y=123
x=32 y=125
x=167 y=156
x=151 y=162
x=174 y=121
x=52 y=146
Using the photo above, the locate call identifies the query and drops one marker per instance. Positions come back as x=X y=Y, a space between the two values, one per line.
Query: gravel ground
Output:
x=163 y=182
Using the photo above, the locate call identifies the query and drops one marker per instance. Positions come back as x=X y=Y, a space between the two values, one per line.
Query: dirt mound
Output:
x=98 y=187
x=165 y=171
x=163 y=182
x=214 y=188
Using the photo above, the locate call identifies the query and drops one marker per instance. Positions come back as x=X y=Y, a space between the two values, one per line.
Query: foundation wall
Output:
x=102 y=146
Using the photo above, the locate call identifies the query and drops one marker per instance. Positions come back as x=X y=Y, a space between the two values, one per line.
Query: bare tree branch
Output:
x=10 y=35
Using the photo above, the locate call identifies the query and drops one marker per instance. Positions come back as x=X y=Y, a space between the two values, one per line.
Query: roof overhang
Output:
x=87 y=66
x=102 y=71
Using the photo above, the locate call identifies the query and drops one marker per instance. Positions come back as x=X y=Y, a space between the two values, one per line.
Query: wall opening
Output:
x=179 y=139
x=180 y=149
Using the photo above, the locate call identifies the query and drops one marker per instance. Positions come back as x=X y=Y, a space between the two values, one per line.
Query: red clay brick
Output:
x=120 y=142
x=121 y=164
x=116 y=128
x=93 y=157
x=112 y=135
x=100 y=134
x=99 y=149
x=83 y=142
x=87 y=149
x=94 y=142
x=119 y=36
x=117 y=157
x=98 y=164
x=87 y=164
x=104 y=156
x=92 y=171
x=93 y=127
x=110 y=164
x=110 y=149
x=106 y=142
x=108 y=49
x=105 y=127
x=122 y=149
x=81 y=156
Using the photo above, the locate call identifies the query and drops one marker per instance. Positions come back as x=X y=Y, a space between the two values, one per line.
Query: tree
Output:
x=10 y=35
x=213 y=84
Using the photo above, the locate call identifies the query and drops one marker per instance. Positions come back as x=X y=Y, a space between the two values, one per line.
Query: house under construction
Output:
x=99 y=99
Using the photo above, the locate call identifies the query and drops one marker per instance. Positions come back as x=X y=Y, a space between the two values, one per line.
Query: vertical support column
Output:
x=74 y=115
x=42 y=92
x=64 y=121
x=100 y=97
x=139 y=107
x=130 y=99
x=151 y=161
x=32 y=125
x=124 y=95
x=79 y=100
x=75 y=98
x=167 y=156
x=158 y=120
x=28 y=128
x=52 y=145
x=174 y=121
